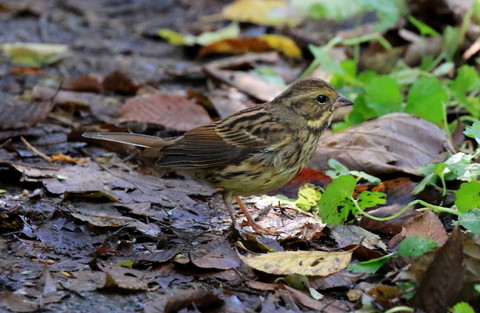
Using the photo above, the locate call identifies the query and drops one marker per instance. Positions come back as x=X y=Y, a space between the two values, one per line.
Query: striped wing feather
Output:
x=226 y=142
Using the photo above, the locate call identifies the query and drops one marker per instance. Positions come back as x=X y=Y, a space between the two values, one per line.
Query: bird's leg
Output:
x=256 y=228
x=227 y=199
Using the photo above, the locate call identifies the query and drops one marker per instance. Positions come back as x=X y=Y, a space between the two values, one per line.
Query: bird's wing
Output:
x=226 y=142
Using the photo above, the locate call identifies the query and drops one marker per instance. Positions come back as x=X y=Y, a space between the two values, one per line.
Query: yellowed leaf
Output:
x=65 y=158
x=35 y=54
x=283 y=44
x=263 y=12
x=263 y=43
x=308 y=263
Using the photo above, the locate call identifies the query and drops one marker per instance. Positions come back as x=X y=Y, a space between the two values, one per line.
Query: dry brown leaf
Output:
x=117 y=221
x=246 y=82
x=23 y=114
x=169 y=111
x=308 y=263
x=123 y=278
x=86 y=83
x=119 y=82
x=324 y=305
x=426 y=225
x=396 y=142
x=444 y=277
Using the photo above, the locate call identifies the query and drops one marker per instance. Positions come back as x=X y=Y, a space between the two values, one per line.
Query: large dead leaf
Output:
x=444 y=277
x=169 y=111
x=308 y=263
x=395 y=142
x=471 y=254
x=426 y=225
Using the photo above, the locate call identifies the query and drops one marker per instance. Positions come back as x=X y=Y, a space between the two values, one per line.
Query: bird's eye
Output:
x=322 y=99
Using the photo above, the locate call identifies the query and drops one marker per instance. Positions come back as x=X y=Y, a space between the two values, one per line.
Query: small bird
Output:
x=252 y=151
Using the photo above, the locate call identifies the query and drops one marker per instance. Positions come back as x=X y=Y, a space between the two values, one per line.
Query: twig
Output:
x=35 y=150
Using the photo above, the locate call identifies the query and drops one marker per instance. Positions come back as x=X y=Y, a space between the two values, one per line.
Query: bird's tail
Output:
x=138 y=140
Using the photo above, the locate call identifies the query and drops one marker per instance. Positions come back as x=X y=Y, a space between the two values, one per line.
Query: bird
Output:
x=252 y=151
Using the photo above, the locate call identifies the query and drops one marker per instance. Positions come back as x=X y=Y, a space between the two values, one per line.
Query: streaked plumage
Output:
x=252 y=151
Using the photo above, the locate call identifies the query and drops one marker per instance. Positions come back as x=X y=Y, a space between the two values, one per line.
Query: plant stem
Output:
x=415 y=202
x=400 y=309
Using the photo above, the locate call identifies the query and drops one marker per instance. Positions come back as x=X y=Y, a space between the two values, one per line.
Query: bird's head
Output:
x=313 y=99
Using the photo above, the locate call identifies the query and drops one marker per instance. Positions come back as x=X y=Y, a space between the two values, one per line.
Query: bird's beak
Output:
x=342 y=102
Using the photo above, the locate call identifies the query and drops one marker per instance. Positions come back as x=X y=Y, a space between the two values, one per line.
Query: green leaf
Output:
x=370 y=266
x=337 y=168
x=368 y=199
x=415 y=246
x=336 y=203
x=422 y=27
x=467 y=79
x=470 y=220
x=383 y=95
x=326 y=62
x=461 y=165
x=463 y=307
x=426 y=98
x=365 y=176
x=473 y=131
x=468 y=196
x=360 y=111
x=451 y=37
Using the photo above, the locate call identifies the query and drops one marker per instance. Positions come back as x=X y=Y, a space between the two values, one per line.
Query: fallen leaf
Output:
x=23 y=114
x=178 y=301
x=169 y=111
x=347 y=235
x=273 y=12
x=35 y=54
x=215 y=255
x=18 y=303
x=123 y=278
x=426 y=225
x=444 y=277
x=262 y=43
x=324 y=305
x=230 y=31
x=86 y=83
x=385 y=145
x=247 y=82
x=65 y=158
x=471 y=255
x=120 y=83
x=102 y=220
x=308 y=263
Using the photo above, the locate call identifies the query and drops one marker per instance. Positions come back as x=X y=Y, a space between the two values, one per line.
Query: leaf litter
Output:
x=77 y=233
